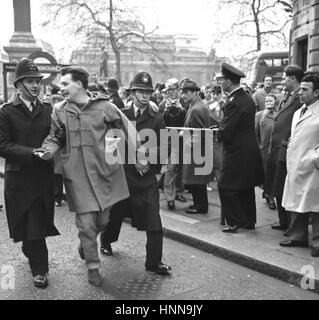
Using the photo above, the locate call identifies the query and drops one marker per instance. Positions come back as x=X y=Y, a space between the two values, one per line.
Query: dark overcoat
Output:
x=144 y=191
x=281 y=131
x=27 y=179
x=263 y=125
x=197 y=117
x=242 y=165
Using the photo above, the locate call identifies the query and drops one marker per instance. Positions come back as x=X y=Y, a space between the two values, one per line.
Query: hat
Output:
x=112 y=84
x=189 y=85
x=142 y=81
x=172 y=84
x=75 y=70
x=26 y=68
x=231 y=72
x=161 y=87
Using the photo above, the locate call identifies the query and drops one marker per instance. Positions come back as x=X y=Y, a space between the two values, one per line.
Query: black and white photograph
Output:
x=159 y=156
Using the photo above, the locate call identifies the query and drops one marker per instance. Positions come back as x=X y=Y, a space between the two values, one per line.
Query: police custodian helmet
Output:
x=142 y=81
x=26 y=68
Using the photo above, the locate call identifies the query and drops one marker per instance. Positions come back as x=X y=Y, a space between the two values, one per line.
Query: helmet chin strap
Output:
x=25 y=88
x=142 y=104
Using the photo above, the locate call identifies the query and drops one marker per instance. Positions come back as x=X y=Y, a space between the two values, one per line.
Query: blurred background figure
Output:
x=208 y=95
x=264 y=121
x=246 y=88
x=174 y=116
x=157 y=96
x=124 y=94
x=112 y=88
x=260 y=94
x=93 y=78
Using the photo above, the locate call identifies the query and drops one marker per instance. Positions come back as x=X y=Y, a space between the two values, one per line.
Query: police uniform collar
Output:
x=237 y=90
x=18 y=101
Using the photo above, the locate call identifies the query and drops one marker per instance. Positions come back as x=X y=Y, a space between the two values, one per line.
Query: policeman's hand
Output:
x=42 y=154
x=142 y=169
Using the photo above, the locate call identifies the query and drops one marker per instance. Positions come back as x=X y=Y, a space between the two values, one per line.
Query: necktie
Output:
x=303 y=111
x=138 y=114
x=32 y=106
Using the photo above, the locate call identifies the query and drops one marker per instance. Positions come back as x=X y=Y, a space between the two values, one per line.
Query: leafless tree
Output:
x=261 y=20
x=113 y=19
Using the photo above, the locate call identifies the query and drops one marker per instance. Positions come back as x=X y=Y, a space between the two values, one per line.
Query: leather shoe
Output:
x=40 y=281
x=162 y=269
x=191 y=206
x=106 y=250
x=195 y=211
x=94 y=277
x=293 y=243
x=171 y=205
x=180 y=198
x=230 y=229
x=278 y=227
x=315 y=252
x=81 y=253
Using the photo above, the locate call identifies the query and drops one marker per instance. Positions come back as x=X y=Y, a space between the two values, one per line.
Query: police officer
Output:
x=242 y=168
x=143 y=204
x=112 y=87
x=29 y=181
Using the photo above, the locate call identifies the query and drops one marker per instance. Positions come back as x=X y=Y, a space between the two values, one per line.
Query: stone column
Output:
x=22 y=43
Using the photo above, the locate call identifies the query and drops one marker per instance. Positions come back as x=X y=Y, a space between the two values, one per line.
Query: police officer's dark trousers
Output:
x=37 y=253
x=154 y=242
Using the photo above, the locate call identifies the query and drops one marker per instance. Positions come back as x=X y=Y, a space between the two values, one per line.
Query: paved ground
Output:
x=197 y=275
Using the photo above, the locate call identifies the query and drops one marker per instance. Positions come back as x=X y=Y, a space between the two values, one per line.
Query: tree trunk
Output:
x=118 y=67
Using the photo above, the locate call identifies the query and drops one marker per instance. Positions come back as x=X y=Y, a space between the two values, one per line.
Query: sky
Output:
x=172 y=16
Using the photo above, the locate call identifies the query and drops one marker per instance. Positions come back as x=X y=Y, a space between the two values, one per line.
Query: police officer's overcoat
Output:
x=27 y=179
x=144 y=192
x=242 y=164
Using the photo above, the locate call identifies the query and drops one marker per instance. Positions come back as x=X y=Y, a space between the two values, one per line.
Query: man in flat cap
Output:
x=197 y=117
x=93 y=184
x=242 y=168
x=29 y=181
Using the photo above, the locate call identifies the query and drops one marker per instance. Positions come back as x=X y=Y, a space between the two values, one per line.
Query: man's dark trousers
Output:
x=239 y=207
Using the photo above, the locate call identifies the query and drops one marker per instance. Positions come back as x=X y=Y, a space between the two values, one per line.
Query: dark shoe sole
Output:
x=294 y=245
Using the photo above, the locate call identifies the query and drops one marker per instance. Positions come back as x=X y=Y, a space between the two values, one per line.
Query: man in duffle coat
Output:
x=143 y=205
x=242 y=168
x=276 y=164
x=197 y=117
x=29 y=181
x=300 y=195
x=93 y=185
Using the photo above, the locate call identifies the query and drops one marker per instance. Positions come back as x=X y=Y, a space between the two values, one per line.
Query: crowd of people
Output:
x=267 y=138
